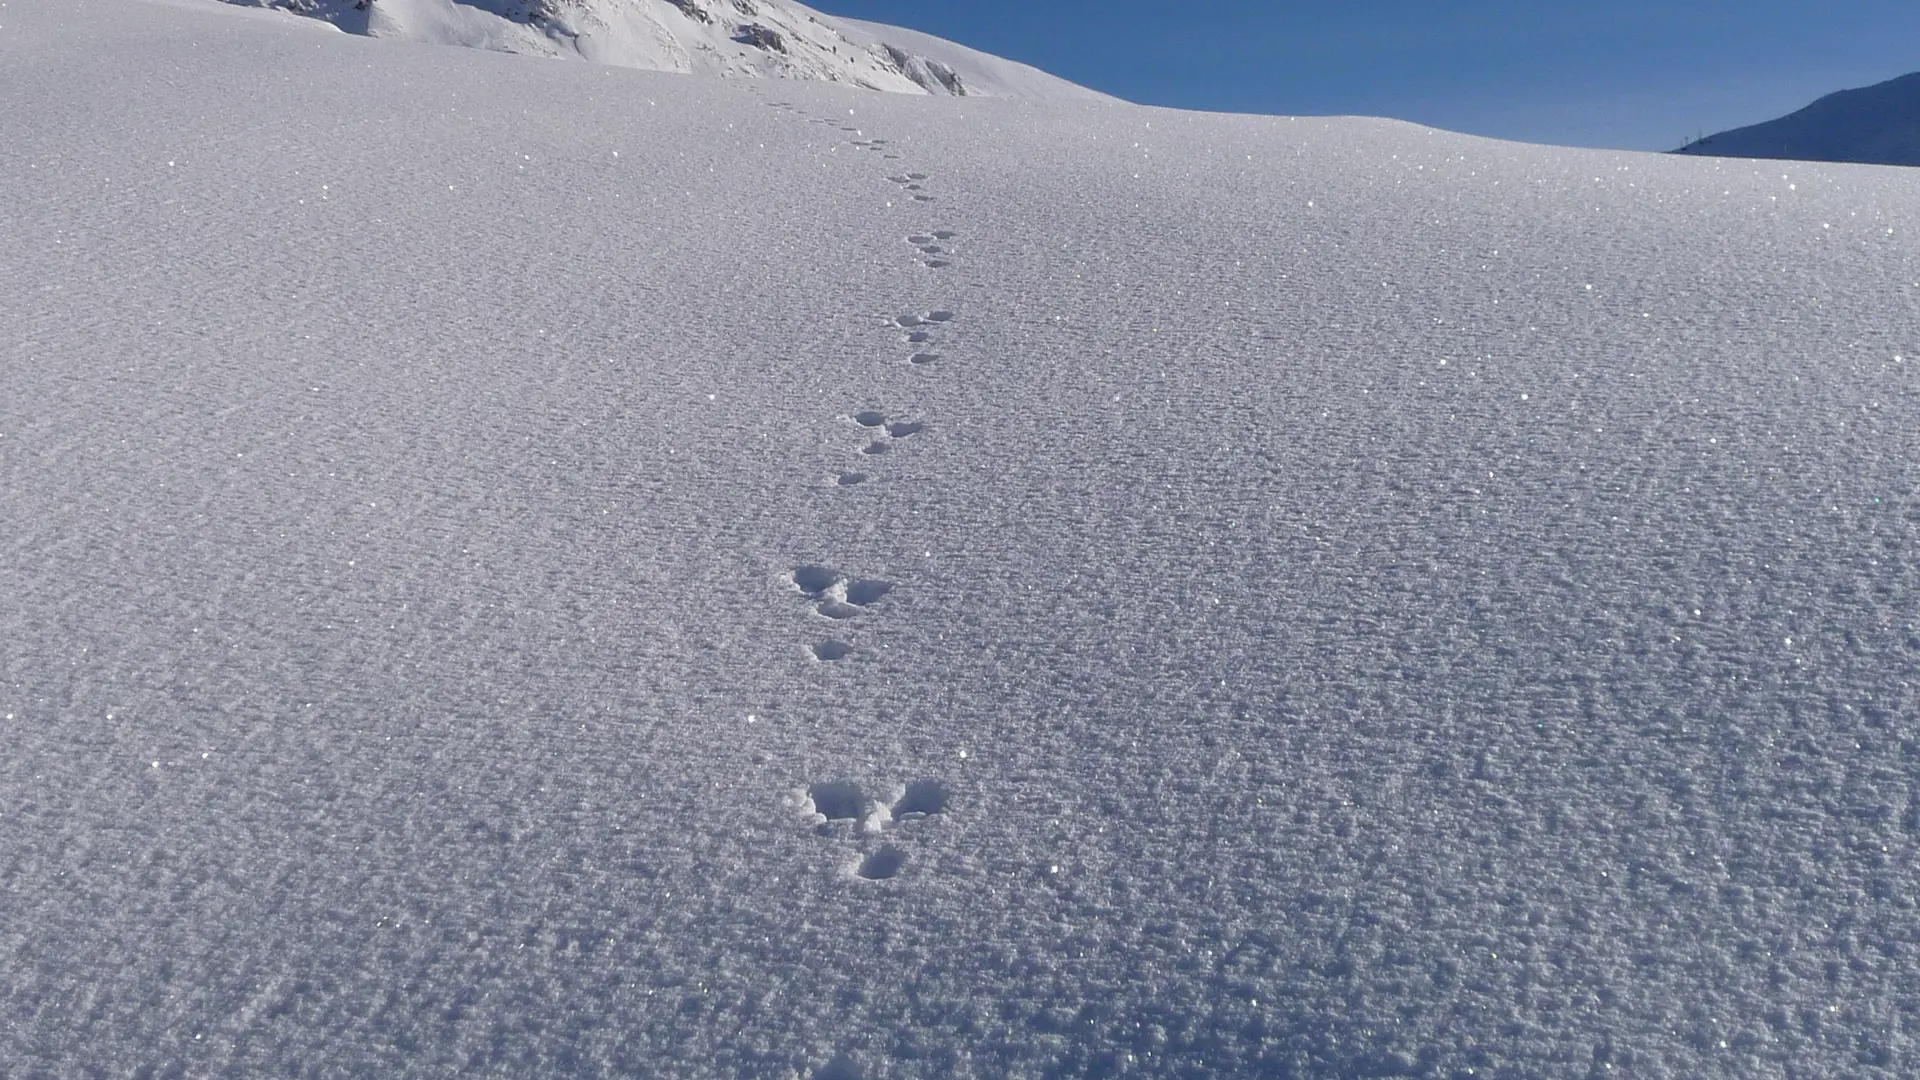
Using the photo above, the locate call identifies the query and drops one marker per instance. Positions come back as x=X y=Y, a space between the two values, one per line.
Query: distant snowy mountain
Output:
x=740 y=38
x=1874 y=125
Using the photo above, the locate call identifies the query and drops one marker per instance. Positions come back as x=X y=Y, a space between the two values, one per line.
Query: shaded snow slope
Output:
x=489 y=590
x=745 y=38
x=1874 y=125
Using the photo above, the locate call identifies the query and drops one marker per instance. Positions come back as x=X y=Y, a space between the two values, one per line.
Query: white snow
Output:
x=740 y=38
x=1346 y=599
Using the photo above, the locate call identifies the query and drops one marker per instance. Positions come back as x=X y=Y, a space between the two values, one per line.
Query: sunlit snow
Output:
x=517 y=568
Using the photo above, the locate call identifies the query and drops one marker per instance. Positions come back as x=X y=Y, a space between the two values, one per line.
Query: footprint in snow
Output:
x=850 y=479
x=828 y=652
x=841 y=808
x=837 y=596
x=921 y=359
x=898 y=429
x=882 y=864
x=908 y=322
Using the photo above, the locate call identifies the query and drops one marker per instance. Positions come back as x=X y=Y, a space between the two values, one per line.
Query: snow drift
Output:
x=538 y=569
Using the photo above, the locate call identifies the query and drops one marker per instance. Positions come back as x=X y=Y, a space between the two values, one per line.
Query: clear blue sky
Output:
x=1637 y=74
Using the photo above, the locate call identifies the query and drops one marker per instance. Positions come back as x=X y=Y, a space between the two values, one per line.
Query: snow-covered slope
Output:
x=1874 y=125
x=534 y=569
x=749 y=38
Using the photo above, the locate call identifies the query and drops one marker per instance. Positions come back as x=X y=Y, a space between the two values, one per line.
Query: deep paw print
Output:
x=890 y=428
x=838 y=597
x=931 y=246
x=923 y=322
x=842 y=809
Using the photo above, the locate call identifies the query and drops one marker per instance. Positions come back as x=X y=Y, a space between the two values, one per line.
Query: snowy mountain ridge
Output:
x=734 y=38
x=1871 y=125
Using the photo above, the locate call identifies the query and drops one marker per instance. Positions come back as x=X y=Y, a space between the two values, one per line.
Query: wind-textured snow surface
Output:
x=530 y=569
x=739 y=38
x=1874 y=125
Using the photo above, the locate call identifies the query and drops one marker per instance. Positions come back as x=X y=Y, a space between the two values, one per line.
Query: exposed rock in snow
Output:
x=742 y=38
x=1874 y=125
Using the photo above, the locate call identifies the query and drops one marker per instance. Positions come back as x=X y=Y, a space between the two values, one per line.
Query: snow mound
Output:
x=736 y=38
x=1873 y=125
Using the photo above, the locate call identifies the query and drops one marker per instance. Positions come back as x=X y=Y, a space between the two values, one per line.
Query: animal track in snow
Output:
x=923 y=198
x=899 y=429
x=867 y=591
x=882 y=864
x=851 y=479
x=876 y=448
x=910 y=322
x=837 y=800
x=923 y=798
x=837 y=596
x=828 y=652
x=918 y=239
x=939 y=264
x=919 y=337
x=813 y=580
x=944 y=234
x=922 y=358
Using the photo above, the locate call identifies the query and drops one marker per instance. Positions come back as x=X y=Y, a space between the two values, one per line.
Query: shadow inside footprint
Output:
x=908 y=321
x=917 y=239
x=840 y=1068
x=944 y=234
x=875 y=449
x=940 y=316
x=924 y=358
x=837 y=800
x=851 y=479
x=919 y=337
x=829 y=651
x=904 y=428
x=870 y=418
x=882 y=864
x=923 y=797
x=938 y=264
x=813 y=580
x=867 y=591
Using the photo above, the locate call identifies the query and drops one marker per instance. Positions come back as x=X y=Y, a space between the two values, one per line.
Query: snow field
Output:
x=1331 y=599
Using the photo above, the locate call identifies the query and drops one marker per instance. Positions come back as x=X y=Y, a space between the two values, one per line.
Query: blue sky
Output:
x=1636 y=74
